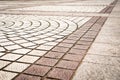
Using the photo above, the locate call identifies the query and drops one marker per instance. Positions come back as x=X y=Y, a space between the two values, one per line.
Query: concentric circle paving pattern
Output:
x=25 y=38
x=34 y=47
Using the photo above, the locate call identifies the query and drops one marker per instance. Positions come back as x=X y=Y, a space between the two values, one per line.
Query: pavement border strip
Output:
x=88 y=35
x=71 y=61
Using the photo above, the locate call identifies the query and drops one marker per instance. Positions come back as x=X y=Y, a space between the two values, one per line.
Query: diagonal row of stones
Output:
x=61 y=62
x=109 y=8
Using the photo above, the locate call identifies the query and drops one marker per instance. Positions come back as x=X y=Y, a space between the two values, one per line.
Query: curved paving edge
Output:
x=61 y=62
x=67 y=55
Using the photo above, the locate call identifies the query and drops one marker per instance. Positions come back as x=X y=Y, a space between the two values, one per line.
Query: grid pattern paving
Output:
x=34 y=47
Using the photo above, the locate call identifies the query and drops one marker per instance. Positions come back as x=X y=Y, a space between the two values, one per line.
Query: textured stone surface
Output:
x=48 y=39
x=60 y=74
x=37 y=70
x=99 y=71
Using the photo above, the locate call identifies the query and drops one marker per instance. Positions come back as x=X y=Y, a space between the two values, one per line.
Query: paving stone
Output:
x=12 y=47
x=28 y=59
x=37 y=52
x=65 y=45
x=77 y=51
x=11 y=57
x=87 y=39
x=67 y=64
x=1 y=53
x=3 y=63
x=60 y=74
x=45 y=47
x=7 y=75
x=83 y=43
x=27 y=77
x=47 y=61
x=69 y=41
x=37 y=70
x=21 y=51
x=60 y=49
x=54 y=54
x=73 y=57
x=17 y=67
x=81 y=47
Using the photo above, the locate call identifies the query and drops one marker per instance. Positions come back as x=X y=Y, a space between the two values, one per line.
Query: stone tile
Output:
x=51 y=43
x=54 y=54
x=81 y=47
x=27 y=44
x=28 y=59
x=3 y=63
x=105 y=49
x=67 y=64
x=47 y=61
x=60 y=49
x=20 y=41
x=2 y=49
x=69 y=41
x=12 y=47
x=45 y=47
x=40 y=41
x=21 y=51
x=62 y=74
x=1 y=53
x=87 y=39
x=37 y=70
x=102 y=59
x=7 y=75
x=37 y=52
x=73 y=57
x=11 y=57
x=101 y=72
x=83 y=43
x=16 y=67
x=65 y=45
x=77 y=51
x=7 y=43
x=27 y=77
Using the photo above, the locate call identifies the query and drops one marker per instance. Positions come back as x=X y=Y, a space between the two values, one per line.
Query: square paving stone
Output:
x=27 y=77
x=81 y=47
x=21 y=51
x=1 y=53
x=37 y=70
x=47 y=61
x=60 y=49
x=28 y=59
x=73 y=57
x=54 y=54
x=37 y=52
x=45 y=47
x=7 y=75
x=61 y=74
x=69 y=41
x=67 y=64
x=10 y=57
x=65 y=45
x=3 y=63
x=77 y=51
x=2 y=49
x=17 y=67
x=12 y=47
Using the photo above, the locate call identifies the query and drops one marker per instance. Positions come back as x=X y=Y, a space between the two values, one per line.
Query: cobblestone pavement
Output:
x=48 y=40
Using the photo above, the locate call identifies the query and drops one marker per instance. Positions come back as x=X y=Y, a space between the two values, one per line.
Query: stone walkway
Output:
x=50 y=40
